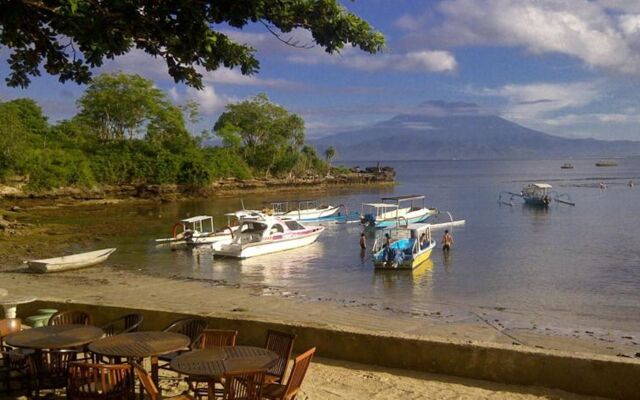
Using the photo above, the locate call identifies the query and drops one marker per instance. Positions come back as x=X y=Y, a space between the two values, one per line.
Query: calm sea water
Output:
x=568 y=264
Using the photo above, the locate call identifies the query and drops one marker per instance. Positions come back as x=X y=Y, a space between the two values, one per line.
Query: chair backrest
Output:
x=282 y=344
x=217 y=337
x=146 y=381
x=191 y=327
x=9 y=326
x=71 y=317
x=244 y=385
x=53 y=365
x=125 y=324
x=298 y=372
x=100 y=381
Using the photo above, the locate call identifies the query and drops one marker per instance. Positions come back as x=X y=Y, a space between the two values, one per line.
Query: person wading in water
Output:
x=447 y=241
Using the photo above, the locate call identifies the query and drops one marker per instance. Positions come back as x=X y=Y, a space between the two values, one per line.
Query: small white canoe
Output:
x=73 y=261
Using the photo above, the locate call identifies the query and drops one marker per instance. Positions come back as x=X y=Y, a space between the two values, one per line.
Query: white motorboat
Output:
x=260 y=234
x=196 y=231
x=70 y=262
x=303 y=210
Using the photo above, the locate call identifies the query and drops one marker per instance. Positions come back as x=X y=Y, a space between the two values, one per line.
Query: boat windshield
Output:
x=293 y=225
x=252 y=231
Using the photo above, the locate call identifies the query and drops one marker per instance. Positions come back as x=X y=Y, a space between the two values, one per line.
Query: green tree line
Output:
x=128 y=132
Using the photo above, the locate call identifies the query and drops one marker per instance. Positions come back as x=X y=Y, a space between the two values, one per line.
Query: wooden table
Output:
x=141 y=345
x=215 y=362
x=55 y=337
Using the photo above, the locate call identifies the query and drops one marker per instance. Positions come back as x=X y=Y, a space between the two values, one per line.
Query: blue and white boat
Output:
x=392 y=212
x=406 y=248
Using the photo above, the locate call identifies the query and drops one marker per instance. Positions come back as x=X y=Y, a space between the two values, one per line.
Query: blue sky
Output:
x=566 y=67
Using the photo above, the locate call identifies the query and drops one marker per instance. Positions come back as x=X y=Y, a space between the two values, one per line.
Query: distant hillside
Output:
x=439 y=130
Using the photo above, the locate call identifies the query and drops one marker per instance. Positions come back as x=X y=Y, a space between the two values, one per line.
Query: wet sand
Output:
x=110 y=286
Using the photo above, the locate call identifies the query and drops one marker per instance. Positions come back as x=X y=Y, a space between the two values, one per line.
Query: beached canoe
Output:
x=73 y=261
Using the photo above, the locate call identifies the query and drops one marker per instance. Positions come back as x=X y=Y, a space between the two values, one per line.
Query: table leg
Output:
x=154 y=373
x=10 y=310
x=212 y=389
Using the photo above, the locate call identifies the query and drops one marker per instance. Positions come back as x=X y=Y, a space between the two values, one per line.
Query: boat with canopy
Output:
x=302 y=210
x=407 y=247
x=392 y=211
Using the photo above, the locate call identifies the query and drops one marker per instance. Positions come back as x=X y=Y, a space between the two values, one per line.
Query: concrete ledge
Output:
x=591 y=375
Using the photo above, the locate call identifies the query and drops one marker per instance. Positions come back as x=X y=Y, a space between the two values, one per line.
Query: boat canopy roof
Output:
x=197 y=219
x=380 y=205
x=404 y=198
x=542 y=185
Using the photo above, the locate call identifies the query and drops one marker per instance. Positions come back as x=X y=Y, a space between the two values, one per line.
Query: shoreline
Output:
x=371 y=177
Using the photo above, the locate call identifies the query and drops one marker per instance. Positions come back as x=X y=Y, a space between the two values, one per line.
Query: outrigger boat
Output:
x=196 y=231
x=260 y=234
x=409 y=247
x=304 y=210
x=538 y=194
x=391 y=212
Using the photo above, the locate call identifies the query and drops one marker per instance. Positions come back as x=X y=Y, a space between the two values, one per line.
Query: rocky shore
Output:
x=222 y=187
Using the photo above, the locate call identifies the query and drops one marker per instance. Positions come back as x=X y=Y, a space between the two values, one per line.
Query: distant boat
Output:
x=567 y=165
x=74 y=261
x=607 y=163
x=538 y=194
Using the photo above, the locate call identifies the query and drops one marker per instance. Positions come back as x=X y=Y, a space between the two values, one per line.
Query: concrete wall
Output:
x=598 y=375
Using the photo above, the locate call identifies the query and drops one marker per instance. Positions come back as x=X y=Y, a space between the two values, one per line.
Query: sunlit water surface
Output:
x=567 y=263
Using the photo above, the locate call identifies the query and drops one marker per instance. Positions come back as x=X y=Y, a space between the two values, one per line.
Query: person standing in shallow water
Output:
x=447 y=241
x=363 y=241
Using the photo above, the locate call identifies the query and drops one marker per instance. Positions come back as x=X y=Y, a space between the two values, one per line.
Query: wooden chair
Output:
x=50 y=368
x=124 y=324
x=191 y=327
x=100 y=381
x=282 y=344
x=150 y=387
x=244 y=385
x=211 y=338
x=71 y=317
x=9 y=326
x=289 y=391
x=13 y=362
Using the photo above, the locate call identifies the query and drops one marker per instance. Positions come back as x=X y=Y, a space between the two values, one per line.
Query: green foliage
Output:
x=268 y=137
x=121 y=106
x=146 y=141
x=69 y=37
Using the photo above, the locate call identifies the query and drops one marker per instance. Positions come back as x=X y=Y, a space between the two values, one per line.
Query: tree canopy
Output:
x=266 y=134
x=69 y=37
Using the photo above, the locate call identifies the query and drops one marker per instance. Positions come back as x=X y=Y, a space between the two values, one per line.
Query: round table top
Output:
x=13 y=300
x=140 y=344
x=55 y=337
x=216 y=361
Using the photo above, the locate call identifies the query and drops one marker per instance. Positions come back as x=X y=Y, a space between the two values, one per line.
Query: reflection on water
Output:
x=583 y=259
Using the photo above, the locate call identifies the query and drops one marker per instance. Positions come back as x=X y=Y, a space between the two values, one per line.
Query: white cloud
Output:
x=209 y=101
x=139 y=62
x=536 y=100
x=421 y=61
x=601 y=34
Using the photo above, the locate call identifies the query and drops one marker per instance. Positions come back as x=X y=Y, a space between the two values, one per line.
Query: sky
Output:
x=565 y=67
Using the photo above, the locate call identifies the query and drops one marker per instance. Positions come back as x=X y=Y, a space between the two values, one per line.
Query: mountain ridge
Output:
x=440 y=130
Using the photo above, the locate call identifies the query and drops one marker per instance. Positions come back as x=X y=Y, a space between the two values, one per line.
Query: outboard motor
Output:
x=368 y=220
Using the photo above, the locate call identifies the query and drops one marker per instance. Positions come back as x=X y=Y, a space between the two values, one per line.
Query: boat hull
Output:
x=412 y=217
x=248 y=250
x=407 y=264
x=309 y=215
x=67 y=263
